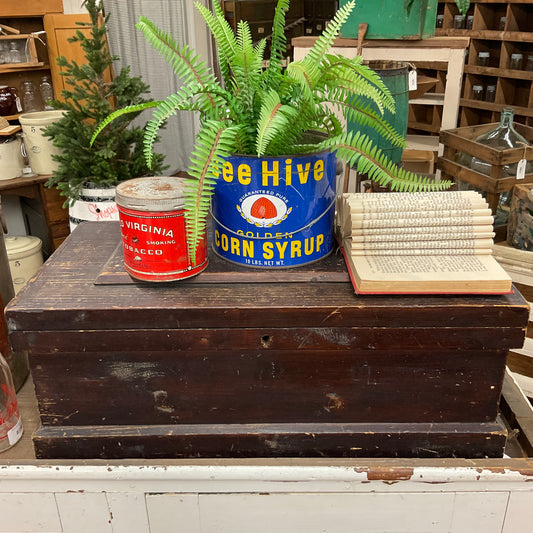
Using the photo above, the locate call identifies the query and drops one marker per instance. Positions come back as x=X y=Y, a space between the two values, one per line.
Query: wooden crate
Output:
x=462 y=140
x=29 y=47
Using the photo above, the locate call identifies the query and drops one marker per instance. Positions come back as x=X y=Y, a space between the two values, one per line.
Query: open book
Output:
x=427 y=243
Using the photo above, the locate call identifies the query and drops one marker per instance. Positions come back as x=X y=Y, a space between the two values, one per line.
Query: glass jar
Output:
x=440 y=21
x=490 y=93
x=10 y=421
x=501 y=25
x=8 y=101
x=477 y=92
x=516 y=61
x=483 y=59
x=47 y=92
x=3 y=53
x=459 y=22
x=529 y=64
x=469 y=22
x=30 y=99
x=15 y=54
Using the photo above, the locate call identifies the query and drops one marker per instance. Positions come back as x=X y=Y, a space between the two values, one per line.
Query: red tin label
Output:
x=155 y=245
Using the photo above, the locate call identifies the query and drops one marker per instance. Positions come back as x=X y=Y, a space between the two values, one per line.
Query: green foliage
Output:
x=463 y=5
x=117 y=154
x=269 y=111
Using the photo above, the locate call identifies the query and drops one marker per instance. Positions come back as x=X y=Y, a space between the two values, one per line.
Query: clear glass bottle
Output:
x=30 y=98
x=47 y=92
x=477 y=92
x=10 y=421
x=483 y=59
x=3 y=53
x=15 y=54
x=529 y=64
x=516 y=61
x=459 y=22
x=503 y=137
x=490 y=93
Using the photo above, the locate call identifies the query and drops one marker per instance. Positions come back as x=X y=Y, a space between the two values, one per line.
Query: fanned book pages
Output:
x=420 y=243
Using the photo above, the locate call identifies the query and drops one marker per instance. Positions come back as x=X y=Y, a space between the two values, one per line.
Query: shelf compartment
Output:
x=29 y=48
x=520 y=18
x=478 y=46
x=471 y=116
x=488 y=17
x=515 y=93
x=474 y=79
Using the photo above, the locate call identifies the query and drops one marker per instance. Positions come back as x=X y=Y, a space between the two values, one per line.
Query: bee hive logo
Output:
x=264 y=210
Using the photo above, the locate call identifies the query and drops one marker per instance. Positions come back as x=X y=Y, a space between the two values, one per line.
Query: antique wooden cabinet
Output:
x=248 y=363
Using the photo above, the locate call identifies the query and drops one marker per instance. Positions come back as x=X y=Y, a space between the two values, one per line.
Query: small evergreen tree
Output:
x=117 y=155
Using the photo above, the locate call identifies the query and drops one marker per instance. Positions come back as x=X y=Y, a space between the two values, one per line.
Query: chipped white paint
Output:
x=277 y=495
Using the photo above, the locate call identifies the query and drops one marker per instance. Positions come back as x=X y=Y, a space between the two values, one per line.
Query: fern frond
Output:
x=325 y=41
x=357 y=71
x=364 y=115
x=278 y=44
x=330 y=124
x=214 y=142
x=359 y=152
x=182 y=100
x=463 y=6
x=118 y=113
x=223 y=34
x=274 y=119
x=305 y=74
x=185 y=64
x=341 y=80
x=246 y=65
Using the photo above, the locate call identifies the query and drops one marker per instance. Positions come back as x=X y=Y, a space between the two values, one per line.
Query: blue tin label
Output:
x=275 y=212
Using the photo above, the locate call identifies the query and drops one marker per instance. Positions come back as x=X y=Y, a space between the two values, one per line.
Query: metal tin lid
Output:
x=155 y=193
x=22 y=246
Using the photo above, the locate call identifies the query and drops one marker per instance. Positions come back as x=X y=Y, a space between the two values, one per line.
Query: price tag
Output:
x=412 y=80
x=18 y=104
x=14 y=434
x=521 y=169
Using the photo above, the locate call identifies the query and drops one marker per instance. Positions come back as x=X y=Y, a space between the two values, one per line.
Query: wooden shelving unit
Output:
x=501 y=29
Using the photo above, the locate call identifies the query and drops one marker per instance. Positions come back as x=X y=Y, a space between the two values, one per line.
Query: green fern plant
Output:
x=258 y=111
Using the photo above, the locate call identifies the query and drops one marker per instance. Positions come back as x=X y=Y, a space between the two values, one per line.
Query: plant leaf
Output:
x=214 y=142
x=359 y=152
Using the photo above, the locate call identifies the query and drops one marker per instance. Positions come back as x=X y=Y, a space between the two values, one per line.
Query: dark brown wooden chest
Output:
x=241 y=363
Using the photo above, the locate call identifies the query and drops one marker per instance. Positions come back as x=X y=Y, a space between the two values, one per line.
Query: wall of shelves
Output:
x=38 y=64
x=502 y=29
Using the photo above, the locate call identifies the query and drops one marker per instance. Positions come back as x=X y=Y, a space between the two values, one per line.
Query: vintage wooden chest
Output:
x=240 y=363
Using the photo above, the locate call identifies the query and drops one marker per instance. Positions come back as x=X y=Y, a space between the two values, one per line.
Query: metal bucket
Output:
x=275 y=212
x=395 y=76
x=152 y=223
x=94 y=205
